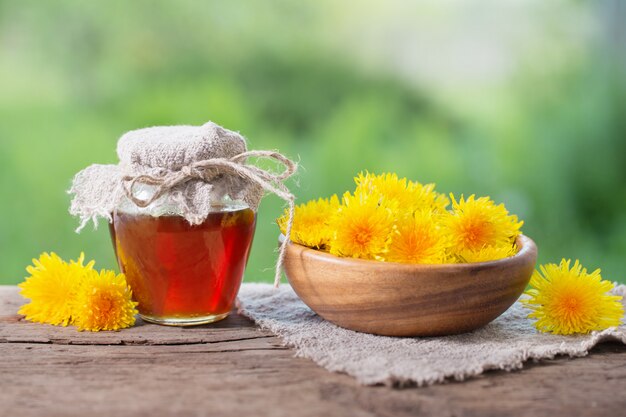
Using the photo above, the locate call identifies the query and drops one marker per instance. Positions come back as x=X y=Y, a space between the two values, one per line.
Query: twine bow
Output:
x=209 y=169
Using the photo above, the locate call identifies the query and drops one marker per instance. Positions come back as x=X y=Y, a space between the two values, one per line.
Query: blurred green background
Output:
x=523 y=101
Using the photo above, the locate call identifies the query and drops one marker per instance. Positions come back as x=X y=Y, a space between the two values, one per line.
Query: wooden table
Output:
x=232 y=368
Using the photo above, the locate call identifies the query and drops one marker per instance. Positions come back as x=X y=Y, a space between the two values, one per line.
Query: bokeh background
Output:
x=523 y=101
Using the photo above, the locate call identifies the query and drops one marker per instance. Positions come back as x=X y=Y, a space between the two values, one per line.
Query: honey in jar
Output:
x=184 y=274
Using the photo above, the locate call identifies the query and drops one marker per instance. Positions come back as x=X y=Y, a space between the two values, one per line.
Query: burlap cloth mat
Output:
x=504 y=344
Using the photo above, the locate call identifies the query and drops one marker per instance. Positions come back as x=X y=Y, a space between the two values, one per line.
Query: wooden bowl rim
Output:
x=527 y=248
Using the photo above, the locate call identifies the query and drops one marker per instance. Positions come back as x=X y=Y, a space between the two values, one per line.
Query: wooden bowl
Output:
x=395 y=299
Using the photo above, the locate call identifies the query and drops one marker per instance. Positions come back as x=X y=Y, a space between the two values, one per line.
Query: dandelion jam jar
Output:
x=181 y=206
x=184 y=274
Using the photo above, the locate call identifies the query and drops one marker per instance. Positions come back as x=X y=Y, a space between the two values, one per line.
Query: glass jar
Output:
x=181 y=205
x=183 y=274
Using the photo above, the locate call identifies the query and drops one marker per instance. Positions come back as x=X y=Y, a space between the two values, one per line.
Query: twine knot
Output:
x=210 y=169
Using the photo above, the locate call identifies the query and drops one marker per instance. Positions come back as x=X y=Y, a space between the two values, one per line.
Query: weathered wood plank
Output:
x=13 y=329
x=257 y=376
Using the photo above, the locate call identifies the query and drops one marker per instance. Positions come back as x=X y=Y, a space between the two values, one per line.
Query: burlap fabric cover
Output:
x=155 y=151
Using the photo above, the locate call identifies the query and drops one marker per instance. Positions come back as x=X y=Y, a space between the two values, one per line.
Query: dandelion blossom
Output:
x=409 y=196
x=568 y=300
x=104 y=302
x=51 y=287
x=424 y=197
x=64 y=293
x=389 y=218
x=487 y=253
x=418 y=240
x=478 y=222
x=310 y=222
x=384 y=186
x=362 y=227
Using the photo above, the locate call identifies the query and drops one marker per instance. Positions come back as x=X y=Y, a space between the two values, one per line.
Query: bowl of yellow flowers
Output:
x=392 y=258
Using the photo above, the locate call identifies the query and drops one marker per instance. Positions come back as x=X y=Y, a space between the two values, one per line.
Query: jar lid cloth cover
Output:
x=186 y=168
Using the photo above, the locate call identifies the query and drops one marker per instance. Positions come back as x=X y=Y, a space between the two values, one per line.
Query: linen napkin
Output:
x=504 y=344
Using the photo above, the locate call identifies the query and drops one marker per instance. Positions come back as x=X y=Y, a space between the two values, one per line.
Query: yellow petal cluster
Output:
x=419 y=240
x=310 y=223
x=63 y=293
x=392 y=219
x=51 y=287
x=568 y=300
x=487 y=253
x=408 y=195
x=480 y=230
x=361 y=227
x=103 y=302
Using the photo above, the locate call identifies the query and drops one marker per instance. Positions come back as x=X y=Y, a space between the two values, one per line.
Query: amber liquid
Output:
x=183 y=274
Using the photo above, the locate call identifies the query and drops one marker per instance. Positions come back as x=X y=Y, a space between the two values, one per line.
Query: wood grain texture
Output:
x=408 y=300
x=256 y=376
x=14 y=329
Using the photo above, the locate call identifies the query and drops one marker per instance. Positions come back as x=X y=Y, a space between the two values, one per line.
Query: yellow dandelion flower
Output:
x=424 y=196
x=64 y=293
x=362 y=227
x=397 y=220
x=104 y=302
x=418 y=239
x=51 y=287
x=487 y=253
x=478 y=222
x=310 y=222
x=409 y=196
x=386 y=186
x=568 y=300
